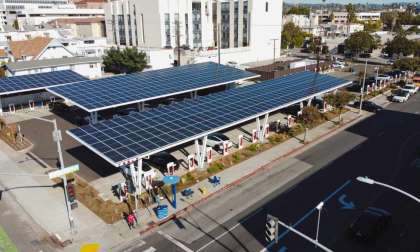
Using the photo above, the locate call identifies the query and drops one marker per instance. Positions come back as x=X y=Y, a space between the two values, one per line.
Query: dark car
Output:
x=161 y=159
x=370 y=223
x=368 y=106
x=127 y=111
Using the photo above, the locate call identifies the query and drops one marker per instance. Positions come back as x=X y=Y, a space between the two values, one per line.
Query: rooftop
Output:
x=24 y=65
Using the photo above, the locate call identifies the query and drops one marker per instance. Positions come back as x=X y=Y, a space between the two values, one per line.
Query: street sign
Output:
x=62 y=172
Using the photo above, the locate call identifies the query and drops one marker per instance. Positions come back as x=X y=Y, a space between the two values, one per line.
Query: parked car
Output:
x=338 y=65
x=161 y=159
x=126 y=111
x=383 y=77
x=364 y=55
x=216 y=140
x=412 y=89
x=401 y=96
x=368 y=106
x=370 y=223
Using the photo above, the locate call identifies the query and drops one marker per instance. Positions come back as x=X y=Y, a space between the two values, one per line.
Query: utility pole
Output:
x=362 y=90
x=274 y=49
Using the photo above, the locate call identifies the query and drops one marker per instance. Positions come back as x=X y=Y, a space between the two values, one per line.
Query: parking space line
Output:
x=174 y=241
x=307 y=214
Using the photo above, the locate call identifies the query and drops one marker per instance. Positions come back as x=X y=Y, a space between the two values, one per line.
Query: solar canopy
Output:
x=95 y=95
x=141 y=134
x=30 y=82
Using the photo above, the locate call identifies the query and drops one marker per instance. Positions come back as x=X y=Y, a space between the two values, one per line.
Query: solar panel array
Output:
x=31 y=82
x=144 y=133
x=120 y=90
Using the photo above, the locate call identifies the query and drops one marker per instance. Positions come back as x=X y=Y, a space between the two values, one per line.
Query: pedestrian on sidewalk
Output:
x=130 y=221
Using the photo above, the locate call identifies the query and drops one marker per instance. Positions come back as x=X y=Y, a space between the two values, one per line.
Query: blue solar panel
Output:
x=31 y=82
x=141 y=134
x=120 y=90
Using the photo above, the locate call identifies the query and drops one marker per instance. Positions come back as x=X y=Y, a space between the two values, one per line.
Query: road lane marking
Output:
x=174 y=241
x=151 y=249
x=229 y=230
x=271 y=244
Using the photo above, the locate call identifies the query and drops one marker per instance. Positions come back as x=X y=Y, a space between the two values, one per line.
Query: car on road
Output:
x=412 y=89
x=338 y=65
x=370 y=223
x=216 y=140
x=368 y=106
x=383 y=77
x=401 y=96
x=161 y=159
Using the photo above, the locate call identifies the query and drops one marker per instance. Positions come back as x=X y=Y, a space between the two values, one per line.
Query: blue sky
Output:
x=349 y=1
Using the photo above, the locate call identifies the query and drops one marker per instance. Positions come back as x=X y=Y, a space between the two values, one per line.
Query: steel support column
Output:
x=139 y=174
x=201 y=151
x=93 y=117
x=262 y=129
x=140 y=106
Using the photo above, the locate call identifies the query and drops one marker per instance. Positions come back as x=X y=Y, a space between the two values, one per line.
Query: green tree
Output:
x=128 y=60
x=361 y=41
x=299 y=10
x=351 y=13
x=372 y=26
x=310 y=116
x=292 y=36
x=389 y=20
x=410 y=64
x=400 y=45
x=16 y=24
x=339 y=100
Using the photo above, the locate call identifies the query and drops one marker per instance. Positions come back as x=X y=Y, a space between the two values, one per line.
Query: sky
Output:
x=349 y=1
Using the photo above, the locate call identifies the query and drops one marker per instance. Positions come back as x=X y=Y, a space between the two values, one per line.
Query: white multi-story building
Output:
x=368 y=16
x=36 y=12
x=248 y=28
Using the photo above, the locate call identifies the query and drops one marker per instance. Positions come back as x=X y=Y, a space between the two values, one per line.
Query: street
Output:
x=383 y=147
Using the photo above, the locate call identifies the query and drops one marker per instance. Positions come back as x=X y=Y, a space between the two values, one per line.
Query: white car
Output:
x=412 y=89
x=401 y=96
x=216 y=140
x=338 y=65
x=382 y=77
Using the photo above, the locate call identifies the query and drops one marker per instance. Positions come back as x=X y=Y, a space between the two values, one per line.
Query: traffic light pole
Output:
x=57 y=136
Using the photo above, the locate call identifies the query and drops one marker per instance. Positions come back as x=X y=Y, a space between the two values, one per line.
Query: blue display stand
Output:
x=161 y=211
x=172 y=180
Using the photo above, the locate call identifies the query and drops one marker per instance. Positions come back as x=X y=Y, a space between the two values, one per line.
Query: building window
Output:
x=121 y=30
x=196 y=19
x=177 y=31
x=92 y=65
x=168 y=29
x=266 y=6
x=236 y=24
x=187 y=31
x=130 y=35
x=225 y=25
x=136 y=38
x=245 y=25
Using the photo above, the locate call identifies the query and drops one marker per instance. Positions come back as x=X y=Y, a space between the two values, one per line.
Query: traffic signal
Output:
x=271 y=228
x=71 y=192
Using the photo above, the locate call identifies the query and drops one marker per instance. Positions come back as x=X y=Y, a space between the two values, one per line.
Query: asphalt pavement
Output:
x=384 y=147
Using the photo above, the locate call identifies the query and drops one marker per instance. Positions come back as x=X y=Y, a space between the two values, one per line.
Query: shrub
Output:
x=215 y=167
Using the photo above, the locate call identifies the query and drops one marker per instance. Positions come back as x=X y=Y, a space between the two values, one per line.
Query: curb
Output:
x=240 y=180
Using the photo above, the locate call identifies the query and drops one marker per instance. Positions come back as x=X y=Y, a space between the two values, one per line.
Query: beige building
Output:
x=82 y=27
